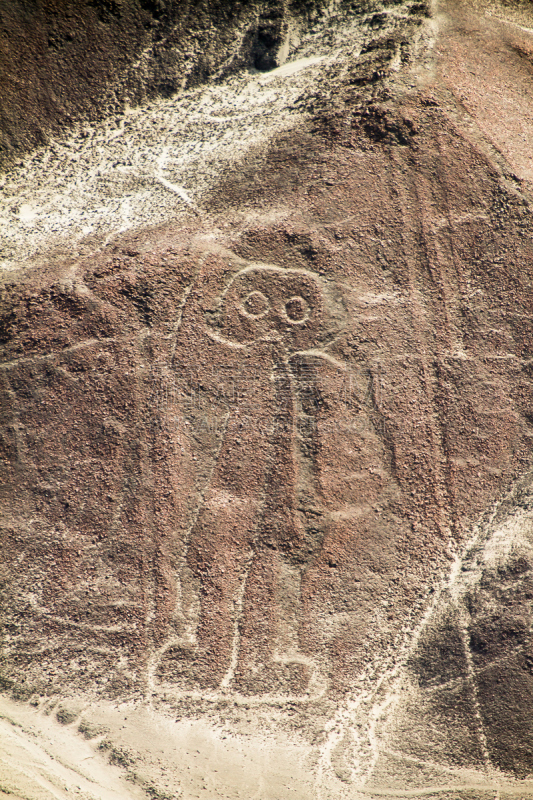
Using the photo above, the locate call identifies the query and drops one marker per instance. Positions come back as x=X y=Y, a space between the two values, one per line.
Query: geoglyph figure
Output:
x=251 y=536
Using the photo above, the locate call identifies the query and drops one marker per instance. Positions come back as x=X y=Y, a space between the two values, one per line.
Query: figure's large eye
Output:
x=297 y=310
x=255 y=305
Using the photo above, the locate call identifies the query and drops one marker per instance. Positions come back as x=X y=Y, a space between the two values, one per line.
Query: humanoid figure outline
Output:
x=248 y=541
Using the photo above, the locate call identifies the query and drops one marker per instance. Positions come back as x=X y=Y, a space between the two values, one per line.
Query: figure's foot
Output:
x=282 y=676
x=189 y=669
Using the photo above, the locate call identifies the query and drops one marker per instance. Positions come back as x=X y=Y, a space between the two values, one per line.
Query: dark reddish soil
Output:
x=265 y=489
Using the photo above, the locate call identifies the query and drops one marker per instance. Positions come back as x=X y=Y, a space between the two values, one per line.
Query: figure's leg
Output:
x=219 y=554
x=270 y=660
x=220 y=547
x=269 y=657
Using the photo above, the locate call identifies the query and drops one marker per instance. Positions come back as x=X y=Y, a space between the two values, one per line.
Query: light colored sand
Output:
x=157 y=162
x=154 y=755
x=41 y=760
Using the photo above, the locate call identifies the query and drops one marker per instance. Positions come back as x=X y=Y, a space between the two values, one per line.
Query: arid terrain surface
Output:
x=267 y=400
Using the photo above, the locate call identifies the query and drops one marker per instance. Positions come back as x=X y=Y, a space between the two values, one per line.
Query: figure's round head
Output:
x=269 y=303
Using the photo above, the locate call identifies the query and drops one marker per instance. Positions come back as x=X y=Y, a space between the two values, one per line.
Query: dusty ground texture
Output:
x=267 y=427
x=67 y=61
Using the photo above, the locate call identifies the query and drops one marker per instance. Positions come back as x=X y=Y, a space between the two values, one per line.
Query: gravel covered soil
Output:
x=267 y=421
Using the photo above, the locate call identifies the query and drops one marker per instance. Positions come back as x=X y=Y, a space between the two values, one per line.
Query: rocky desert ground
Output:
x=267 y=400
